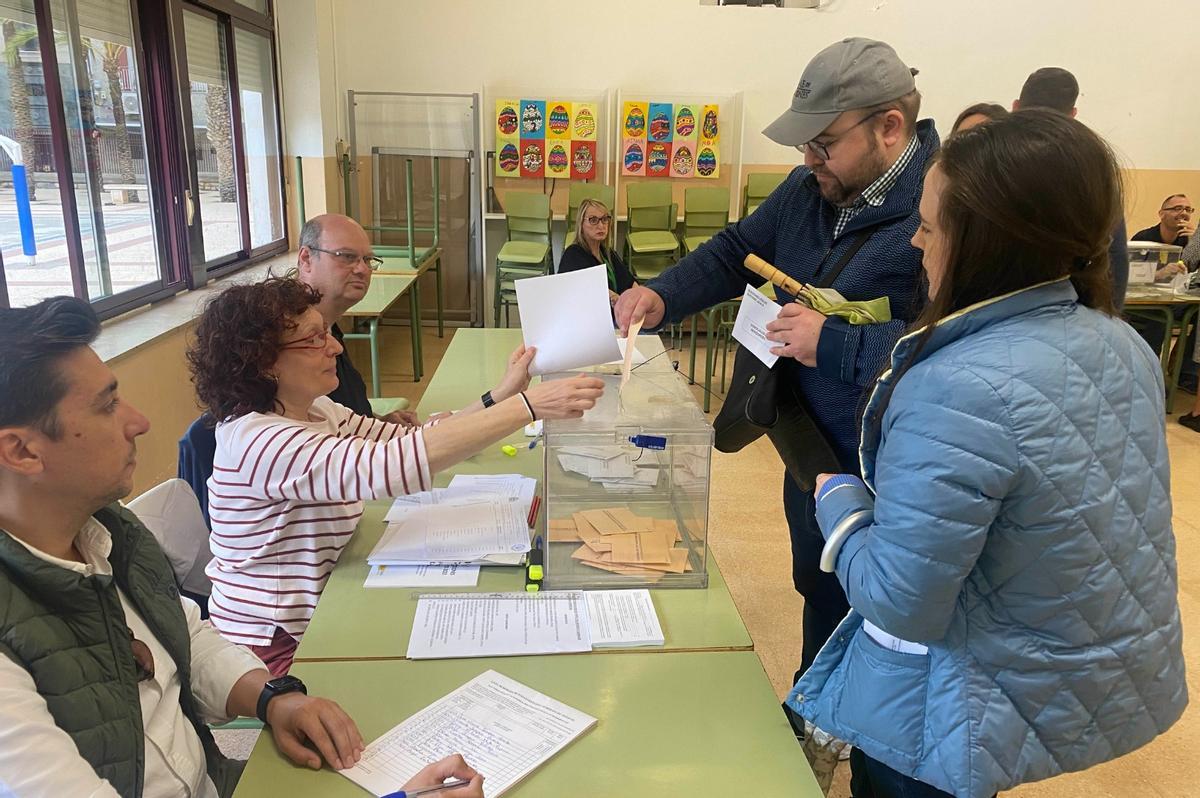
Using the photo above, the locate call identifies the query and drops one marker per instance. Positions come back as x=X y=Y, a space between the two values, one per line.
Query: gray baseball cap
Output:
x=854 y=73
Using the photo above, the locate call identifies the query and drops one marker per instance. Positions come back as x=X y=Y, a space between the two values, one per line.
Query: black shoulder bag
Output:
x=765 y=400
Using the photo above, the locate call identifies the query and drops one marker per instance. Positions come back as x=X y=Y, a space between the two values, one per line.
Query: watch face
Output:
x=285 y=683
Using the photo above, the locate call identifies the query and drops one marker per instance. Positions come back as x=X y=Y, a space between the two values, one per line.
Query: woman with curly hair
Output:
x=293 y=468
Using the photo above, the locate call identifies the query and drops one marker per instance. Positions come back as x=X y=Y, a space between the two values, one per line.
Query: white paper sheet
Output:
x=454 y=533
x=750 y=328
x=623 y=618
x=568 y=318
x=638 y=357
x=429 y=575
x=451 y=625
x=502 y=728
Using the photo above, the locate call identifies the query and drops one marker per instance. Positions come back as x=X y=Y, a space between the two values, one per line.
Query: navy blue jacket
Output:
x=793 y=229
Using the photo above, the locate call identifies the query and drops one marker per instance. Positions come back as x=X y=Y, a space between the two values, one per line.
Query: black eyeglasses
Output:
x=143 y=660
x=348 y=257
x=1180 y=209
x=598 y=219
x=822 y=148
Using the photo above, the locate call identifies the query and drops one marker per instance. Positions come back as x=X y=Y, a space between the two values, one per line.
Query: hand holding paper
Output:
x=750 y=328
x=567 y=318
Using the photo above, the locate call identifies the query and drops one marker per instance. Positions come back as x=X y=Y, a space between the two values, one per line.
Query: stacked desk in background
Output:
x=696 y=716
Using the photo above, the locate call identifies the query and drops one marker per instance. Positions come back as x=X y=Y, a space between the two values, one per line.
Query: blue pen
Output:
x=450 y=785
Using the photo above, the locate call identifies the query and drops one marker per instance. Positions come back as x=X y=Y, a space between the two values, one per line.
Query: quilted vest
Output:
x=69 y=632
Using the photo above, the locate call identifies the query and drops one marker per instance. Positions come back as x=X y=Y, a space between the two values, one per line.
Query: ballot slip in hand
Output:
x=750 y=328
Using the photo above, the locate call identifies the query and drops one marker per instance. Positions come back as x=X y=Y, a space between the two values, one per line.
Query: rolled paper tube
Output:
x=770 y=273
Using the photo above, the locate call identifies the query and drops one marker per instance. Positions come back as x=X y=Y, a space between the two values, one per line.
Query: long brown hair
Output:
x=1029 y=198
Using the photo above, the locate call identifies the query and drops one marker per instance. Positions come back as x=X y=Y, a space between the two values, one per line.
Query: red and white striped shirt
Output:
x=284 y=498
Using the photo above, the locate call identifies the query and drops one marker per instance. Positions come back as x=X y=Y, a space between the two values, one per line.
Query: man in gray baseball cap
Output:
x=843 y=219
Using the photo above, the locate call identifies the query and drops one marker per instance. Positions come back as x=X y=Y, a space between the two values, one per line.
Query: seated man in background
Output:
x=336 y=258
x=107 y=676
x=1175 y=225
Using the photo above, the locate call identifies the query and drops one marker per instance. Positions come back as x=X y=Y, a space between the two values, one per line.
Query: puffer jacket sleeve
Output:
x=947 y=460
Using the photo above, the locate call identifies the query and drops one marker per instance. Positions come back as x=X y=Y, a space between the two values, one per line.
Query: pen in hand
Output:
x=449 y=785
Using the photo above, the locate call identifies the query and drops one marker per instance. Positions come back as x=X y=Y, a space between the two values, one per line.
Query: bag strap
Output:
x=847 y=256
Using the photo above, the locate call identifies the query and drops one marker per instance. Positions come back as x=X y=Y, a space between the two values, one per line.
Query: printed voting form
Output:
x=451 y=625
x=501 y=727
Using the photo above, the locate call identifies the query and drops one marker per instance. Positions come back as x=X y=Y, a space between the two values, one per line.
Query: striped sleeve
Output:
x=347 y=458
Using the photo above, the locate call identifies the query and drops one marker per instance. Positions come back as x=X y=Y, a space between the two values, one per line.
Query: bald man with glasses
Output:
x=337 y=259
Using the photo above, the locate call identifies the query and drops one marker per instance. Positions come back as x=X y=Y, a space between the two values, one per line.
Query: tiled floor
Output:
x=749 y=538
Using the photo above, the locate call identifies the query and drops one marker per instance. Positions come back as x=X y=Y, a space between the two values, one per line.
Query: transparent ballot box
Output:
x=625 y=490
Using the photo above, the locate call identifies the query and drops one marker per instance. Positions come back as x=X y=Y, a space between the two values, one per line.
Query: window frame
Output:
x=168 y=149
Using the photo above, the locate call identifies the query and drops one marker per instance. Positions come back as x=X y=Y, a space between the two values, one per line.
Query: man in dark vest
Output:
x=107 y=676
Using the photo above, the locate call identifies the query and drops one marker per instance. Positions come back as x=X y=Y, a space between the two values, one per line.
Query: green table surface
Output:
x=695 y=724
x=352 y=622
x=385 y=290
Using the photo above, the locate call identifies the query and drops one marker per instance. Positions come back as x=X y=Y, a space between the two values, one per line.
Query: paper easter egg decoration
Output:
x=660 y=127
x=658 y=158
x=506 y=120
x=634 y=158
x=585 y=124
x=685 y=122
x=706 y=162
x=682 y=162
x=635 y=122
x=531 y=119
x=558 y=163
x=559 y=120
x=509 y=158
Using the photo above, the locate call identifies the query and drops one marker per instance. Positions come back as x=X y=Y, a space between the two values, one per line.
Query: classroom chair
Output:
x=578 y=193
x=705 y=213
x=526 y=253
x=650 y=242
x=759 y=186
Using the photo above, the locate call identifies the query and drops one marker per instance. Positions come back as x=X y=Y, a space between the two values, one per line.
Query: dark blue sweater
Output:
x=793 y=229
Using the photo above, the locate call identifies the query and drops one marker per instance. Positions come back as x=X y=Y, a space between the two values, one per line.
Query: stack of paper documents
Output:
x=614 y=539
x=502 y=728
x=452 y=625
x=454 y=533
x=612 y=466
x=477 y=518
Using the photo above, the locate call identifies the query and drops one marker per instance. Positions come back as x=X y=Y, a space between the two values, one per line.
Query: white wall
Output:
x=967 y=51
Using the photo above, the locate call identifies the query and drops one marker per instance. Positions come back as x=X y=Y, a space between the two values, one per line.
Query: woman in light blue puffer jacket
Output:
x=1010 y=558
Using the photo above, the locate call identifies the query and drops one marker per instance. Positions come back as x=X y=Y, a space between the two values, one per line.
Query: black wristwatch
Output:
x=276 y=687
x=487 y=399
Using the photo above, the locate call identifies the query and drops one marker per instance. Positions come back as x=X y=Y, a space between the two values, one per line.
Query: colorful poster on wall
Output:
x=633 y=156
x=658 y=158
x=508 y=157
x=583 y=160
x=633 y=120
x=507 y=120
x=558 y=120
x=710 y=125
x=533 y=157
x=708 y=161
x=683 y=159
x=584 y=122
x=684 y=127
x=533 y=119
x=660 y=122
x=558 y=158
